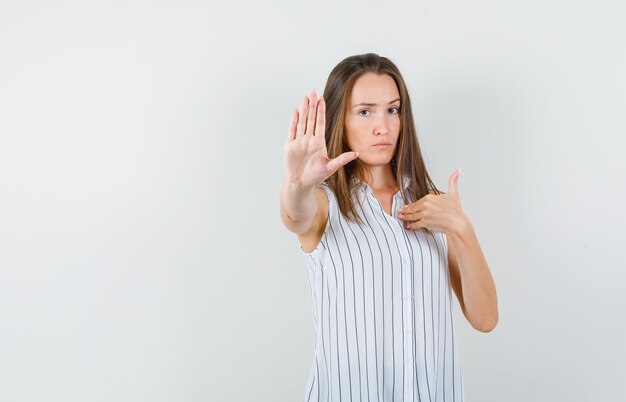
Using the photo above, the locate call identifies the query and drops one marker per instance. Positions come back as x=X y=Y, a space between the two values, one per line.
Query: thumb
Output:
x=341 y=160
x=452 y=184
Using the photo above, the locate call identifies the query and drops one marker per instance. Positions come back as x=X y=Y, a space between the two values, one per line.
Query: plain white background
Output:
x=142 y=256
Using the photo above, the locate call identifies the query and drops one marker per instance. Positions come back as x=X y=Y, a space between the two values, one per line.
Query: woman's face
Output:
x=372 y=117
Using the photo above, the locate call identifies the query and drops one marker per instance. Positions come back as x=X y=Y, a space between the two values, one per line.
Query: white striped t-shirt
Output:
x=382 y=310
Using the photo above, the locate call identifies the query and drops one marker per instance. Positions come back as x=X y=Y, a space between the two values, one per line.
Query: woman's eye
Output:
x=393 y=110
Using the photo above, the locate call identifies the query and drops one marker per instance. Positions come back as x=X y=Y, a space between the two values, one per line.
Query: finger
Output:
x=453 y=183
x=416 y=224
x=411 y=208
x=341 y=160
x=409 y=216
x=410 y=225
x=292 y=125
x=302 y=116
x=310 y=124
x=320 y=124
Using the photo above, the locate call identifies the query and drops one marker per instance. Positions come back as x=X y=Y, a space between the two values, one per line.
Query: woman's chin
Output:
x=376 y=161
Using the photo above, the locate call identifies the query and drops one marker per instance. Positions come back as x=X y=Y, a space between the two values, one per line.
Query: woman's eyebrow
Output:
x=373 y=104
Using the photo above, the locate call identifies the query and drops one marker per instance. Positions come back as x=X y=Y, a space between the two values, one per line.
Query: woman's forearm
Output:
x=479 y=291
x=298 y=206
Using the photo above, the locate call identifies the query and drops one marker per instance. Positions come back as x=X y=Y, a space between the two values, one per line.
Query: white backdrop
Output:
x=142 y=256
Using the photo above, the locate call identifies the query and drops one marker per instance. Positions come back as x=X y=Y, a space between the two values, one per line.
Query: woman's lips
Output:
x=382 y=145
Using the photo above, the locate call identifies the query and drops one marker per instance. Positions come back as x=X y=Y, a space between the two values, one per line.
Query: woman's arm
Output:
x=471 y=278
x=298 y=207
x=306 y=165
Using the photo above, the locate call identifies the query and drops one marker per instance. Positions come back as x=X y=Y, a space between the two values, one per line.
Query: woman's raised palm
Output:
x=306 y=158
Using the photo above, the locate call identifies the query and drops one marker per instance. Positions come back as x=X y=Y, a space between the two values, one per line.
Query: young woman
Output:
x=383 y=246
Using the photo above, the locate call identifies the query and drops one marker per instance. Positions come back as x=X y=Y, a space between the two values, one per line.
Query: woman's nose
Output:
x=382 y=126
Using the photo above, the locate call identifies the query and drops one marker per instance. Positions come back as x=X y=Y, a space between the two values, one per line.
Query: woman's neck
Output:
x=382 y=179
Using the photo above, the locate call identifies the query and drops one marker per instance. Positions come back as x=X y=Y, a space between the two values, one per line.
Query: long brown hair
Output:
x=407 y=162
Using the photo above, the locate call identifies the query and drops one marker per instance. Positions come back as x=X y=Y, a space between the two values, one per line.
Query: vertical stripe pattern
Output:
x=382 y=310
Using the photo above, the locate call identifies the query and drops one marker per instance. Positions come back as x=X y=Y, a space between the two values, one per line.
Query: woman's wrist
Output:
x=461 y=227
x=297 y=188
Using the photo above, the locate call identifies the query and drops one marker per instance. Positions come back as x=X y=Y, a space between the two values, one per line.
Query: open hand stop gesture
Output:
x=306 y=158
